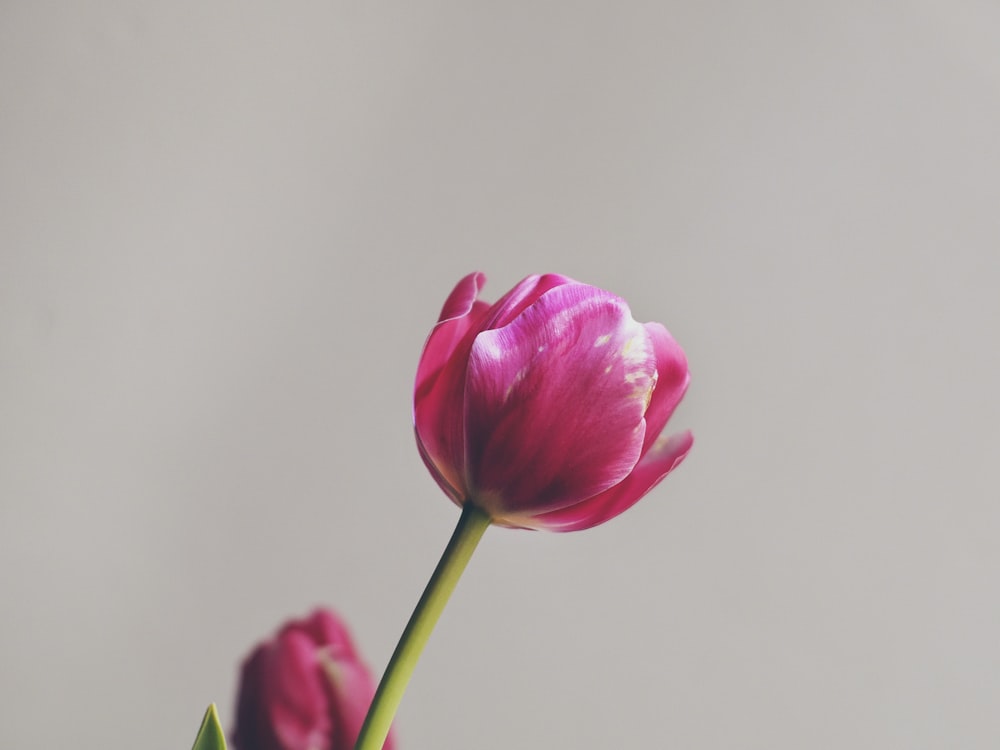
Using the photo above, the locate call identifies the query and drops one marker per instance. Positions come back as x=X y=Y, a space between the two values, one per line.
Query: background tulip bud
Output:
x=305 y=689
x=548 y=408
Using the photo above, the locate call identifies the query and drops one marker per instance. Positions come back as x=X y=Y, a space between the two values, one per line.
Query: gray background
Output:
x=227 y=227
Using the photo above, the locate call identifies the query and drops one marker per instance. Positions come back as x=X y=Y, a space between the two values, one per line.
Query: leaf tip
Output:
x=210 y=735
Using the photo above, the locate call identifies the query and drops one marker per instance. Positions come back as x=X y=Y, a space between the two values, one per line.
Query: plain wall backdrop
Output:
x=227 y=227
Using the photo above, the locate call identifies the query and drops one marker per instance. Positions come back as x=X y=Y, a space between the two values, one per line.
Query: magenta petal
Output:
x=672 y=379
x=452 y=483
x=295 y=696
x=326 y=629
x=350 y=682
x=460 y=300
x=508 y=307
x=665 y=456
x=460 y=311
x=352 y=689
x=253 y=725
x=437 y=413
x=555 y=402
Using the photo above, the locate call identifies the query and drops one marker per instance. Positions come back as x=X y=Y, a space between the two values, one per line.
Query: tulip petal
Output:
x=351 y=691
x=323 y=628
x=554 y=403
x=460 y=311
x=253 y=725
x=462 y=297
x=453 y=487
x=665 y=456
x=529 y=289
x=672 y=379
x=295 y=694
x=349 y=683
x=437 y=413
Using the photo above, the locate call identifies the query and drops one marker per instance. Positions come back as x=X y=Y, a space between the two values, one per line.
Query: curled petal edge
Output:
x=437 y=417
x=671 y=382
x=460 y=312
x=666 y=455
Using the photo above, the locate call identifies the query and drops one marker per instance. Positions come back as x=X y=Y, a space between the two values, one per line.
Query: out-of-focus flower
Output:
x=548 y=408
x=305 y=689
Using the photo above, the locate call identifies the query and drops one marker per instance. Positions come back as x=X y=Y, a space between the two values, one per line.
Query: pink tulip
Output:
x=305 y=689
x=548 y=408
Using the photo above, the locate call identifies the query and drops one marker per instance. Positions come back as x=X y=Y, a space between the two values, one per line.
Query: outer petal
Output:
x=349 y=682
x=452 y=484
x=253 y=725
x=352 y=690
x=294 y=695
x=437 y=396
x=329 y=632
x=672 y=379
x=458 y=314
x=665 y=455
x=555 y=403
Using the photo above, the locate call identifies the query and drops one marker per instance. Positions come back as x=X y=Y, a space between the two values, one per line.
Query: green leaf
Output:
x=210 y=736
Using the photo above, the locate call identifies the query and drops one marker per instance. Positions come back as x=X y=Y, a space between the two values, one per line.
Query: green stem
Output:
x=469 y=531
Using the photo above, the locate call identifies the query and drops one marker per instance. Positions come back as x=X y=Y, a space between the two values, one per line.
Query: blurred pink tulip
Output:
x=548 y=408
x=305 y=689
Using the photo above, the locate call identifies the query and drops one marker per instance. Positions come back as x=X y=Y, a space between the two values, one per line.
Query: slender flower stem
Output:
x=466 y=536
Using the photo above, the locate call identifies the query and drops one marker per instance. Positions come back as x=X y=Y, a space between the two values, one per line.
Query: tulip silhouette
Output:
x=548 y=409
x=305 y=689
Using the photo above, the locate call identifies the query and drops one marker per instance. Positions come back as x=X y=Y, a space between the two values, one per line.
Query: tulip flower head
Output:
x=305 y=689
x=548 y=409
